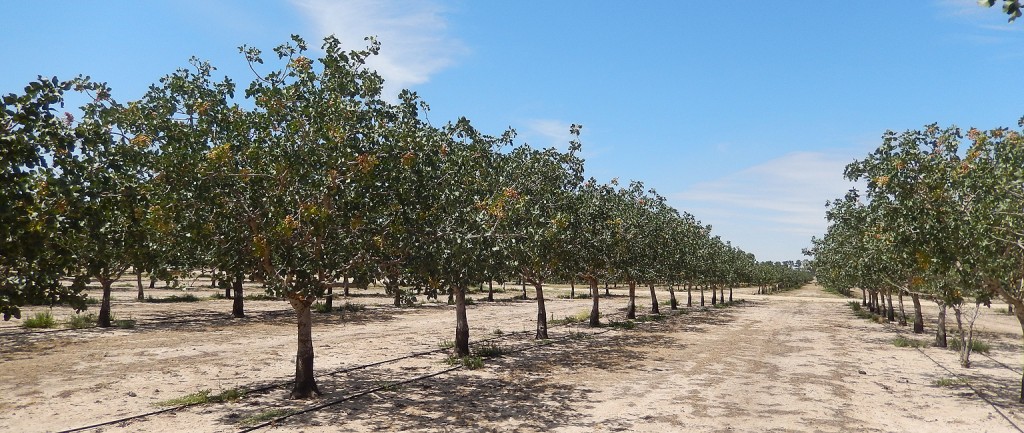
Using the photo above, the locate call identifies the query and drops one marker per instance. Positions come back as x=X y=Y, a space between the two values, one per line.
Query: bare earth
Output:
x=794 y=362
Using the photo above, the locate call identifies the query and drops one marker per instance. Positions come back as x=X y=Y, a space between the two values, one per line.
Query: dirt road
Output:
x=795 y=362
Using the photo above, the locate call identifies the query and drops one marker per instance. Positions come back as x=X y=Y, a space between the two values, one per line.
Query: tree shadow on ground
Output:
x=530 y=388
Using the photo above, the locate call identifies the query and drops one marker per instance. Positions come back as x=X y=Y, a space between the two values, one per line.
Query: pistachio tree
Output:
x=33 y=197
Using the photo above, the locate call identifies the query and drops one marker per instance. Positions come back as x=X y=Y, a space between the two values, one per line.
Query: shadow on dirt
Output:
x=529 y=389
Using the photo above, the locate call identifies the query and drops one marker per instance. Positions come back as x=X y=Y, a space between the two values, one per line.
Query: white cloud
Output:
x=771 y=209
x=547 y=133
x=415 y=43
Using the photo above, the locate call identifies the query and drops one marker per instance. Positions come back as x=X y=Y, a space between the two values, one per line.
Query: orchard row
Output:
x=313 y=178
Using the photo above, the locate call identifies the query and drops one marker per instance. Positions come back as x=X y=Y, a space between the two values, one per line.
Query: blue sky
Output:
x=742 y=113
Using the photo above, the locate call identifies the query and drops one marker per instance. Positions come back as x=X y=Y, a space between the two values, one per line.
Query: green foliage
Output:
x=81 y=321
x=490 y=350
x=902 y=341
x=625 y=324
x=128 y=323
x=40 y=320
x=1012 y=8
x=977 y=346
x=470 y=362
x=446 y=344
x=951 y=382
x=203 y=397
x=188 y=297
x=577 y=318
x=264 y=416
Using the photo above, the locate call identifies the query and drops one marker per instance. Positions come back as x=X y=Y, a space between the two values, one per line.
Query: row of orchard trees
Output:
x=311 y=179
x=941 y=220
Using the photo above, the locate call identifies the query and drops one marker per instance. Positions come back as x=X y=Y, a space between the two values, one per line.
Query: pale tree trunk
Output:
x=631 y=306
x=918 y=317
x=595 y=312
x=238 y=304
x=344 y=285
x=138 y=284
x=654 y=301
x=542 y=318
x=940 y=333
x=305 y=382
x=104 y=319
x=461 y=321
x=891 y=314
x=903 y=313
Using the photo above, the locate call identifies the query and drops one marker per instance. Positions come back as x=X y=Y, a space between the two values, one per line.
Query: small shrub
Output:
x=203 y=397
x=976 y=345
x=582 y=316
x=470 y=362
x=264 y=416
x=626 y=324
x=498 y=331
x=902 y=341
x=319 y=307
x=40 y=320
x=261 y=297
x=446 y=344
x=651 y=318
x=188 y=297
x=81 y=321
x=353 y=308
x=948 y=382
x=128 y=323
x=575 y=335
x=490 y=350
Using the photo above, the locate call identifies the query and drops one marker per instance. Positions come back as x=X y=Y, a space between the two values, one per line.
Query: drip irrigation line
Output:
x=332 y=373
x=968 y=383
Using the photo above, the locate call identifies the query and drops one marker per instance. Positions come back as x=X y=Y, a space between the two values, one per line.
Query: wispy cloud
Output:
x=415 y=43
x=775 y=206
x=547 y=133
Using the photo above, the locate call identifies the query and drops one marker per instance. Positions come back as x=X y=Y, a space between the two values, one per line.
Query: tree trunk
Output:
x=918 y=317
x=714 y=295
x=730 y=294
x=689 y=295
x=891 y=313
x=965 y=360
x=152 y=281
x=940 y=333
x=654 y=301
x=329 y=298
x=701 y=296
x=461 y=321
x=595 y=312
x=572 y=289
x=104 y=319
x=305 y=382
x=398 y=293
x=138 y=283
x=542 y=318
x=903 y=313
x=524 y=288
x=631 y=305
x=673 y=304
x=238 y=305
x=344 y=285
x=863 y=298
x=490 y=290
x=606 y=287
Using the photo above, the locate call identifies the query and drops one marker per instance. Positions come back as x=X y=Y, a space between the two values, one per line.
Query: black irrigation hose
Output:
x=280 y=384
x=1000 y=363
x=381 y=388
x=330 y=373
x=968 y=383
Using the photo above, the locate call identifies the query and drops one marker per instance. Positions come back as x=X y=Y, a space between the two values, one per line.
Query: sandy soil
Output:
x=792 y=362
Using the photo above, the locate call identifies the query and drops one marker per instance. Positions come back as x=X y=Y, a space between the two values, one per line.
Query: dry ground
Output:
x=794 y=362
